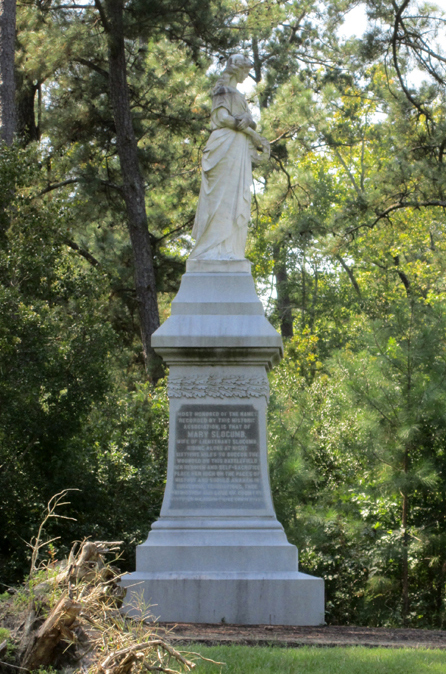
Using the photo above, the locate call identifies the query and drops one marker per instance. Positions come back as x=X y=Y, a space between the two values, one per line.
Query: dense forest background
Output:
x=99 y=178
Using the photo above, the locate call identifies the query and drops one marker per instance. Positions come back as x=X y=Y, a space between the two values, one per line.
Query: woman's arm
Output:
x=223 y=118
x=259 y=141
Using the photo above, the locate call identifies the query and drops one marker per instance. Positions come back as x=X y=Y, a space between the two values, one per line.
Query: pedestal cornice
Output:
x=217 y=317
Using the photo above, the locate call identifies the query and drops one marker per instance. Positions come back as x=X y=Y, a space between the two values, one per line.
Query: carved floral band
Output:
x=215 y=386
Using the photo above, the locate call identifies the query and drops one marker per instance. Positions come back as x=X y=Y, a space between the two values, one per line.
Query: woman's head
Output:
x=238 y=64
x=238 y=67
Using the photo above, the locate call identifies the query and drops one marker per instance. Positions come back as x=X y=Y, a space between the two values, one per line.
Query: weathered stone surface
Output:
x=224 y=204
x=242 y=599
x=218 y=314
x=217 y=458
x=217 y=551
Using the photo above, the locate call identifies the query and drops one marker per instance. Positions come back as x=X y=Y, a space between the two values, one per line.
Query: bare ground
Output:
x=284 y=635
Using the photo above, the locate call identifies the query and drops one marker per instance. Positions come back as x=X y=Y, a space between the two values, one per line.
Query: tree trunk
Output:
x=7 y=87
x=405 y=583
x=283 y=294
x=38 y=648
x=26 y=90
x=280 y=270
x=350 y=275
x=257 y=65
x=303 y=315
x=133 y=184
x=406 y=462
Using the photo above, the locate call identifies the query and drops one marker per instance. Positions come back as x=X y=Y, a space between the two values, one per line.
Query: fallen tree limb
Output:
x=38 y=649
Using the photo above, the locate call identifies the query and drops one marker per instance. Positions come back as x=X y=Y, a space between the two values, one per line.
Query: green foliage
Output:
x=64 y=419
x=357 y=448
x=347 y=238
x=350 y=224
x=5 y=635
x=121 y=459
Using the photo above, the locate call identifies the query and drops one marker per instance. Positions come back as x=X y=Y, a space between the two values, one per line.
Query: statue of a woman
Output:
x=224 y=205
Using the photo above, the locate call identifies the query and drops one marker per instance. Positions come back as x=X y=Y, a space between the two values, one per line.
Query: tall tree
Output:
x=7 y=86
x=105 y=64
x=133 y=183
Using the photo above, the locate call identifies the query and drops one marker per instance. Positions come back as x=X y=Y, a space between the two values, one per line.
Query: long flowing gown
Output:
x=224 y=204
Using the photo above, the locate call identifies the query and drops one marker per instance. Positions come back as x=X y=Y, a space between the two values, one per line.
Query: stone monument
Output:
x=217 y=553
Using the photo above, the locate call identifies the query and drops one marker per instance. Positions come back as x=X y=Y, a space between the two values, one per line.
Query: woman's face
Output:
x=242 y=73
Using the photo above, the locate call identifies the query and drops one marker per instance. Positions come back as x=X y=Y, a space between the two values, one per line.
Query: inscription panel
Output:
x=217 y=458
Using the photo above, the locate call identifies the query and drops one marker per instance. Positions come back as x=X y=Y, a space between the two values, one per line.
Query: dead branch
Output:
x=54 y=503
x=104 y=666
x=8 y=664
x=214 y=662
x=39 y=649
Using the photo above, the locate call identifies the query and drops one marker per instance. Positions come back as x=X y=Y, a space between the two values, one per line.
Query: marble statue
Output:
x=217 y=553
x=224 y=205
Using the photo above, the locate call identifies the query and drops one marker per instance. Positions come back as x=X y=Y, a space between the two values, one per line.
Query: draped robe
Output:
x=224 y=204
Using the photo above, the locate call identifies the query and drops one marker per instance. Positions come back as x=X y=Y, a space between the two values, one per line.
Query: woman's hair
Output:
x=233 y=64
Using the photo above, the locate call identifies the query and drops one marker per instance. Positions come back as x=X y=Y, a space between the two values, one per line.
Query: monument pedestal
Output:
x=217 y=553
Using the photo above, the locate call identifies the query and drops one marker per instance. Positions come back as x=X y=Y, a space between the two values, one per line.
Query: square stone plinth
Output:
x=240 y=599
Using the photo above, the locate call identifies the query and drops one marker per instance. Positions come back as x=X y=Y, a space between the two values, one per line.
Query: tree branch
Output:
x=176 y=229
x=283 y=169
x=70 y=181
x=398 y=21
x=396 y=207
x=92 y=66
x=55 y=186
x=405 y=281
x=102 y=14
x=350 y=275
x=347 y=170
x=84 y=253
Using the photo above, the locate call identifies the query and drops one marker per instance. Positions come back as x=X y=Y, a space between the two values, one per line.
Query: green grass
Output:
x=10 y=647
x=311 y=660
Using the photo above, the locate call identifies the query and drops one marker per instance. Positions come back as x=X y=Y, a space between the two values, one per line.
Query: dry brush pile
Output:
x=67 y=617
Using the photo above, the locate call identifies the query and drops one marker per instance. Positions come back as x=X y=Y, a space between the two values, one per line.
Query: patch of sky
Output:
x=257 y=187
x=356 y=23
x=267 y=293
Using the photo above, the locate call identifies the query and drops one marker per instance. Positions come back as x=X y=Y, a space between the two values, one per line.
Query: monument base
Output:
x=235 y=598
x=217 y=553
x=222 y=569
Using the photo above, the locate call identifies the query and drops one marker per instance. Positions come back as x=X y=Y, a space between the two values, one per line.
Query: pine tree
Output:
x=7 y=82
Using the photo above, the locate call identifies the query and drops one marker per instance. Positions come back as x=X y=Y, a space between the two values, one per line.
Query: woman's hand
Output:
x=260 y=142
x=266 y=148
x=243 y=121
x=256 y=138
